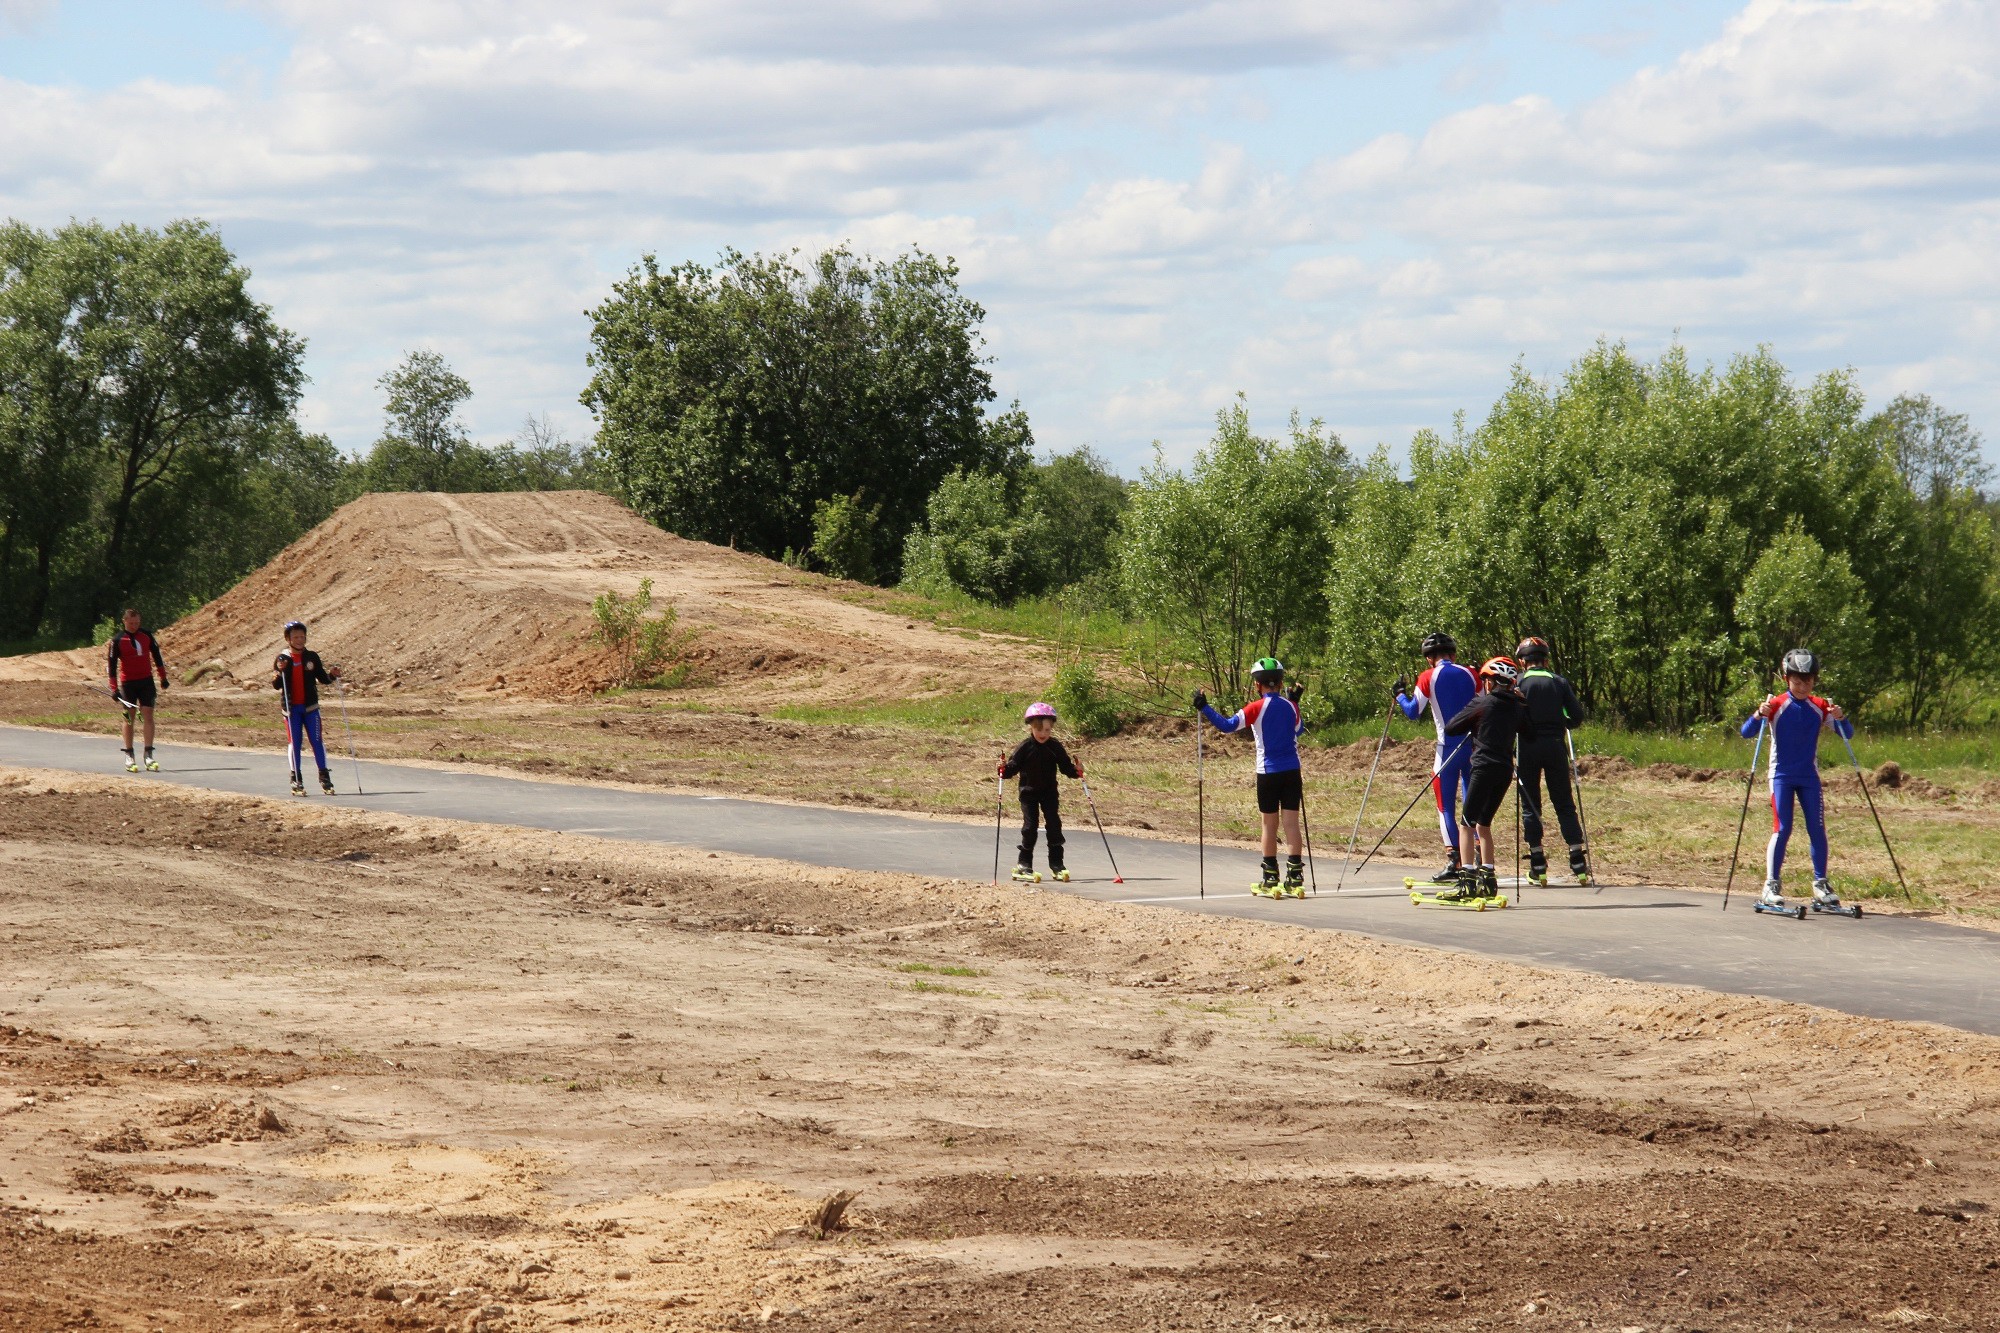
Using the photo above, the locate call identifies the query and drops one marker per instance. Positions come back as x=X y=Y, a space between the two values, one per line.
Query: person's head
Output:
x=1269 y=673
x=1801 y=668
x=1041 y=720
x=1437 y=647
x=1533 y=651
x=132 y=619
x=295 y=633
x=1500 y=673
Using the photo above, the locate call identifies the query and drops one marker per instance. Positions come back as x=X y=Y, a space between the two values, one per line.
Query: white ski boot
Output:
x=1773 y=900
x=1824 y=899
x=152 y=764
x=131 y=763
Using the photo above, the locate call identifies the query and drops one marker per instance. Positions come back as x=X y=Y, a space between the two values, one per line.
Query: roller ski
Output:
x=1472 y=891
x=1295 y=880
x=298 y=785
x=1267 y=885
x=326 y=782
x=1025 y=875
x=1773 y=900
x=131 y=763
x=1444 y=879
x=1059 y=876
x=1579 y=866
x=1827 y=902
x=1538 y=866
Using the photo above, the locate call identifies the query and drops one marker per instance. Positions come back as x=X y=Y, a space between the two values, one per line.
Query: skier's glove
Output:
x=1200 y=701
x=1296 y=693
x=1402 y=685
x=164 y=682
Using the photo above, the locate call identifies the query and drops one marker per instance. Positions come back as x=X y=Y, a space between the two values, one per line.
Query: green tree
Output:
x=1232 y=555
x=1082 y=501
x=977 y=538
x=733 y=400
x=844 y=537
x=424 y=445
x=1798 y=595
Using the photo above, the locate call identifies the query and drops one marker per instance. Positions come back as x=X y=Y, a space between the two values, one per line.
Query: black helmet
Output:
x=1801 y=662
x=1532 y=649
x=1439 y=644
x=291 y=625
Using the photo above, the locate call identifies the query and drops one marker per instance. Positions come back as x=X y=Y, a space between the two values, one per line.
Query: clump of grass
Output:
x=943 y=971
x=939 y=988
x=1309 y=1040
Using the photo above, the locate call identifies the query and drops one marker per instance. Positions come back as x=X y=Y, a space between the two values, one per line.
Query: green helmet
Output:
x=1267 y=670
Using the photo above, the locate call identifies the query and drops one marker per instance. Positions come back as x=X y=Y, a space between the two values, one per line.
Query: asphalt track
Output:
x=1884 y=967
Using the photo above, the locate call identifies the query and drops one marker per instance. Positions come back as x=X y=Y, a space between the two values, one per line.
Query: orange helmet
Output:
x=1501 y=668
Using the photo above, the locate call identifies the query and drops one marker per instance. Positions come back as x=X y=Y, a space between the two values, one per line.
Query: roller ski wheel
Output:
x=1541 y=880
x=131 y=765
x=1263 y=890
x=1021 y=876
x=326 y=783
x=298 y=786
x=1458 y=899
x=1852 y=911
x=1796 y=911
x=152 y=764
x=1059 y=876
x=1582 y=880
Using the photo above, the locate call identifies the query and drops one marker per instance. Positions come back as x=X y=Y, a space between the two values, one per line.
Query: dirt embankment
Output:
x=277 y=1067
x=492 y=593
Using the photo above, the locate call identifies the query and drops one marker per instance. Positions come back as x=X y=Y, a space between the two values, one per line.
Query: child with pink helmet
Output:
x=1037 y=759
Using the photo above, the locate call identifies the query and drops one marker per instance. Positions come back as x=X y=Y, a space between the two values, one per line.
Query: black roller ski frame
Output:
x=1796 y=912
x=1852 y=911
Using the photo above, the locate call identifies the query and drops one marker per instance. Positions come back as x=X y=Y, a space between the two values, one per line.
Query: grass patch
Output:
x=939 y=988
x=947 y=971
x=975 y=715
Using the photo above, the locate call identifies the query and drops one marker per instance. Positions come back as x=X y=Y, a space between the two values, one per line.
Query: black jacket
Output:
x=1494 y=719
x=1038 y=762
x=298 y=677
x=1552 y=704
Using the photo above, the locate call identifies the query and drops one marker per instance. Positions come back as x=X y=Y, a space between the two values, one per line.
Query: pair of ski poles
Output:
x=1750 y=783
x=1000 y=809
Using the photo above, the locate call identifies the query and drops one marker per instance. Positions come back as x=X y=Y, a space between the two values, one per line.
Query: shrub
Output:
x=652 y=649
x=1083 y=701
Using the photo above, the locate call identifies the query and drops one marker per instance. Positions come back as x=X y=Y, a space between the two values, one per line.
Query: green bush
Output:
x=844 y=537
x=1083 y=701
x=653 y=650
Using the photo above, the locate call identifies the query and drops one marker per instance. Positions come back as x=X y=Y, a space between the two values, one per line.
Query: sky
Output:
x=1365 y=211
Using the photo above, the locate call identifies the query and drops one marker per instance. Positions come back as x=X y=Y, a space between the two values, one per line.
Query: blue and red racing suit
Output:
x=1274 y=724
x=298 y=676
x=1795 y=724
x=1445 y=689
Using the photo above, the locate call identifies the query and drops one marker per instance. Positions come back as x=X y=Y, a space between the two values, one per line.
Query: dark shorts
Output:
x=140 y=692
x=1279 y=791
x=1485 y=792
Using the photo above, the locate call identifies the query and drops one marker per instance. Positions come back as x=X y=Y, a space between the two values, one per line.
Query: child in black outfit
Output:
x=1038 y=759
x=1497 y=718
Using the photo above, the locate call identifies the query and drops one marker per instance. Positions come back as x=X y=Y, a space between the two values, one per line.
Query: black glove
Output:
x=1200 y=701
x=1402 y=686
x=164 y=682
x=1296 y=693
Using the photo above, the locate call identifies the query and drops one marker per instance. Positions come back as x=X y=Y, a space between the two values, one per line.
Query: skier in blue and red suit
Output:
x=297 y=675
x=1795 y=720
x=1444 y=688
x=1273 y=720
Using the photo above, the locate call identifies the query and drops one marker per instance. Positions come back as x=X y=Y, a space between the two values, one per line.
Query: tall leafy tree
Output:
x=734 y=400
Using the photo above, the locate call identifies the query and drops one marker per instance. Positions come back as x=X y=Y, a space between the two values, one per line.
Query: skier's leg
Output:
x=294 y=741
x=1532 y=769
x=1563 y=797
x=1813 y=807
x=313 y=735
x=1052 y=820
x=1781 y=834
x=146 y=714
x=1024 y=855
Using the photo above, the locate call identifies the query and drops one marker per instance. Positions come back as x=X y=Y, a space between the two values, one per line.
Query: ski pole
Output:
x=1749 y=784
x=999 y=808
x=1305 y=825
x=1430 y=778
x=1116 y=878
x=352 y=757
x=1856 y=761
x=1520 y=883
x=1200 y=814
x=120 y=699
x=1576 y=787
x=1355 y=836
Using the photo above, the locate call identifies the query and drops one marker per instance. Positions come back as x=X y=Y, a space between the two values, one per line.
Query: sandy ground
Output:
x=265 y=1065
x=491 y=594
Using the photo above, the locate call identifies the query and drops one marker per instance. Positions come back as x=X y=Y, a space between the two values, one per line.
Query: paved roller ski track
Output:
x=1884 y=967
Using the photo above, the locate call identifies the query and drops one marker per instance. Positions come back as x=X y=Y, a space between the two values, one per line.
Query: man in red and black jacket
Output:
x=131 y=658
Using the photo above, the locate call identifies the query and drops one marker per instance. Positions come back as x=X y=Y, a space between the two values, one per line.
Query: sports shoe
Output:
x=298 y=785
x=152 y=764
x=1060 y=876
x=1025 y=875
x=326 y=782
x=1449 y=874
x=1773 y=895
x=1464 y=889
x=131 y=764
x=1538 y=865
x=1824 y=895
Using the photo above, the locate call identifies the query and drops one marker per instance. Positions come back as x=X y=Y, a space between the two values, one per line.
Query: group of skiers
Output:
x=1508 y=722
x=134 y=664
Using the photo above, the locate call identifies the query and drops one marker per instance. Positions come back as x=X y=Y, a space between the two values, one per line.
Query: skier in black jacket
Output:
x=1555 y=711
x=1038 y=758
x=1496 y=719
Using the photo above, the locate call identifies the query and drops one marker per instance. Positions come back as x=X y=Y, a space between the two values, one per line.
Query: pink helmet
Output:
x=1039 y=710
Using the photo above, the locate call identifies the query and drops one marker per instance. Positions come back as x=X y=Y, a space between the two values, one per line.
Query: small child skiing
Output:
x=132 y=658
x=1273 y=719
x=1795 y=720
x=297 y=675
x=1037 y=759
x=1444 y=688
x=1497 y=720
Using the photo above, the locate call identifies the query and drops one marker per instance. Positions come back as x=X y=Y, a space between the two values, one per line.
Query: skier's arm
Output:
x=1467 y=717
x=111 y=662
x=1574 y=714
x=278 y=672
x=1219 y=722
x=1064 y=764
x=319 y=671
x=1013 y=764
x=1836 y=720
x=1412 y=704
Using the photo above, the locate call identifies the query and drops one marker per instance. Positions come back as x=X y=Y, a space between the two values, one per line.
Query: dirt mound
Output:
x=492 y=593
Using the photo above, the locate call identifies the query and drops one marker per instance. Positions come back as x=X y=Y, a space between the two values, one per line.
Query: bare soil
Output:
x=265 y=1066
